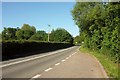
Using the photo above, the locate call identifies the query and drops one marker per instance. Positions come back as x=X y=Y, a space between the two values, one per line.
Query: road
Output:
x=64 y=63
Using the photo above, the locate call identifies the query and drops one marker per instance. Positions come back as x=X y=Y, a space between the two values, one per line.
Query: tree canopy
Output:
x=99 y=25
x=27 y=32
x=61 y=35
x=0 y=36
x=27 y=27
x=77 y=40
x=9 y=33
x=40 y=35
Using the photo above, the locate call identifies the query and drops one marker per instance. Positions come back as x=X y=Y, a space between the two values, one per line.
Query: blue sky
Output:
x=39 y=14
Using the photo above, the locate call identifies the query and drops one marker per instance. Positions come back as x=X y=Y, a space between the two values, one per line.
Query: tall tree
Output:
x=40 y=35
x=77 y=40
x=20 y=35
x=0 y=36
x=25 y=32
x=61 y=35
x=27 y=27
x=9 y=33
x=99 y=25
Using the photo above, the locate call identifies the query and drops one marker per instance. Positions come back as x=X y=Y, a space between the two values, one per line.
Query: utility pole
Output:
x=49 y=33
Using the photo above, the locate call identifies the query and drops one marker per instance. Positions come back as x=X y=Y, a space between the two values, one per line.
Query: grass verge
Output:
x=110 y=67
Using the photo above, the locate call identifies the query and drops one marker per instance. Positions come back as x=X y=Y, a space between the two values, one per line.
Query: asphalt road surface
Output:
x=64 y=63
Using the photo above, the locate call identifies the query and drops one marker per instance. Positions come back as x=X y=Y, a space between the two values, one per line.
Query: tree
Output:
x=20 y=35
x=9 y=33
x=27 y=27
x=25 y=32
x=0 y=36
x=99 y=25
x=61 y=35
x=77 y=40
x=40 y=35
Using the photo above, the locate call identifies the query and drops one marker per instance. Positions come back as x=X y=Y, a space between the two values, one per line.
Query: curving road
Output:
x=30 y=66
x=64 y=63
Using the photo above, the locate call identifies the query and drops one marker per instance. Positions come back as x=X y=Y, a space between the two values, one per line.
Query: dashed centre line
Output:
x=74 y=53
x=67 y=58
x=48 y=69
x=63 y=60
x=57 y=64
x=70 y=56
x=37 y=76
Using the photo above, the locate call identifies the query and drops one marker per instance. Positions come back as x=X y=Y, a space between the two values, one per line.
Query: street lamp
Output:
x=49 y=33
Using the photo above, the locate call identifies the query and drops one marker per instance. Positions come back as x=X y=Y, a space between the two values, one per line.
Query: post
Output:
x=48 y=34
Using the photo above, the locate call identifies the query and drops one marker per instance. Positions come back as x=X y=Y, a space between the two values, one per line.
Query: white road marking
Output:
x=37 y=76
x=48 y=69
x=57 y=64
x=67 y=57
x=63 y=60
x=32 y=58
x=75 y=53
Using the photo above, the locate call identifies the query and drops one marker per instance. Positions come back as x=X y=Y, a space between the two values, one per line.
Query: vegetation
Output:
x=99 y=26
x=39 y=35
x=0 y=37
x=77 y=40
x=19 y=48
x=9 y=33
x=60 y=35
x=28 y=32
x=24 y=41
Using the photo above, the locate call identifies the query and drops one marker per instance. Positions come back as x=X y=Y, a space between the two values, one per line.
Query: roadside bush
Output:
x=14 y=49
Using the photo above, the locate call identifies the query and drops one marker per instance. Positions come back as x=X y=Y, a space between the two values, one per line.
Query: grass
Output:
x=110 y=67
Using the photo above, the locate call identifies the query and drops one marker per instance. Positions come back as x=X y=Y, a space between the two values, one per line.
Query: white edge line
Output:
x=33 y=58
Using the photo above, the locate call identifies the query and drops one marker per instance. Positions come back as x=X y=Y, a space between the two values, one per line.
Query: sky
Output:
x=39 y=14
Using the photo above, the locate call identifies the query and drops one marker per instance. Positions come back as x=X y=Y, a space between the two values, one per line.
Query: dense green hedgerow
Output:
x=14 y=49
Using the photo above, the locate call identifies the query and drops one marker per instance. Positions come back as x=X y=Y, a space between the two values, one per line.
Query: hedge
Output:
x=15 y=49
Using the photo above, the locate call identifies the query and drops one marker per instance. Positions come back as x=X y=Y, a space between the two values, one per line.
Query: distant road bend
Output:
x=64 y=63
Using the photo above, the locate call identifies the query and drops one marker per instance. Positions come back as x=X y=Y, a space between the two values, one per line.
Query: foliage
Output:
x=25 y=32
x=29 y=28
x=0 y=36
x=9 y=33
x=40 y=35
x=99 y=25
x=61 y=35
x=28 y=32
x=77 y=40
x=19 y=34
x=17 y=48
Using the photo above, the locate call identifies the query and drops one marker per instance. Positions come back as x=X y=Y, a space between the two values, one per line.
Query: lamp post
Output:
x=48 y=33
